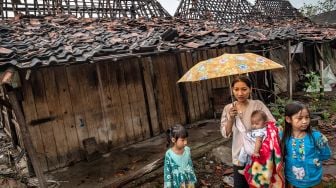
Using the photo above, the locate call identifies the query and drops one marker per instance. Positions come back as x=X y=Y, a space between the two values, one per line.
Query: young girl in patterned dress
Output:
x=178 y=167
x=304 y=149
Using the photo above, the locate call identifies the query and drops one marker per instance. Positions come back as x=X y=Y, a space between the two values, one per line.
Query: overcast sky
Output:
x=171 y=5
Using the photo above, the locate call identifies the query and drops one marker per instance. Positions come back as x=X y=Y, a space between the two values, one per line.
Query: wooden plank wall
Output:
x=73 y=103
x=117 y=103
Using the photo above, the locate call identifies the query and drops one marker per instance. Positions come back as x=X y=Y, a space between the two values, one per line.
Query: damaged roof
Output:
x=223 y=12
x=64 y=39
x=325 y=18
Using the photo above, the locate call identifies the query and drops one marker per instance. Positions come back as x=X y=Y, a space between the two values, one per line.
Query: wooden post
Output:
x=321 y=67
x=290 y=76
x=319 y=51
x=14 y=7
x=2 y=120
x=14 y=136
x=28 y=144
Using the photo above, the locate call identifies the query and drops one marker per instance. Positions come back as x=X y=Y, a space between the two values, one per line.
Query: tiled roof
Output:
x=29 y=42
x=325 y=18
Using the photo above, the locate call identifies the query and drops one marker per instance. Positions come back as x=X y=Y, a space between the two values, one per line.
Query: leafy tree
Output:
x=321 y=7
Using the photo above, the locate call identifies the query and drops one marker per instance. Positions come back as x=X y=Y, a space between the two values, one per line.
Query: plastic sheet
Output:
x=329 y=78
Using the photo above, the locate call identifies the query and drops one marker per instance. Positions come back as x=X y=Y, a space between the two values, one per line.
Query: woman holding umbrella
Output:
x=264 y=171
x=242 y=108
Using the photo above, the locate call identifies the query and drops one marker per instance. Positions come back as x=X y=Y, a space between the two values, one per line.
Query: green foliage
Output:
x=333 y=106
x=325 y=115
x=313 y=84
x=321 y=7
x=278 y=110
x=331 y=184
x=313 y=87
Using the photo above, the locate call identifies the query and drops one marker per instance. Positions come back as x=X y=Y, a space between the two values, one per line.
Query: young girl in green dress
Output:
x=178 y=167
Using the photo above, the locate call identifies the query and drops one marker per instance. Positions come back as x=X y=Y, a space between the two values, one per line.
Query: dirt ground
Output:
x=120 y=163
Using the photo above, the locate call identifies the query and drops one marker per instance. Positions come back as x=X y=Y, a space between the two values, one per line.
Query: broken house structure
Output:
x=77 y=83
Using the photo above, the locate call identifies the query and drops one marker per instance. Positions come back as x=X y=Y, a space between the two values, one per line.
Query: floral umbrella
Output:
x=228 y=64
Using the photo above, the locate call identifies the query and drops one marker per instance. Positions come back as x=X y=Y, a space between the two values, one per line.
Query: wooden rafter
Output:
x=84 y=8
x=221 y=11
x=277 y=9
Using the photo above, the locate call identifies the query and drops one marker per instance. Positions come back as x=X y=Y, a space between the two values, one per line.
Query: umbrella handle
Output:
x=231 y=95
x=233 y=104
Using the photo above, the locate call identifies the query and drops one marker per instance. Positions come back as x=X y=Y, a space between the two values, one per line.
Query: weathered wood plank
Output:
x=158 y=89
x=182 y=90
x=29 y=109
x=200 y=95
x=129 y=72
x=173 y=75
x=194 y=89
x=209 y=86
x=204 y=87
x=188 y=88
x=118 y=125
x=125 y=101
x=106 y=98
x=170 y=90
x=167 y=102
x=88 y=83
x=57 y=125
x=139 y=90
x=103 y=126
x=148 y=84
x=67 y=114
x=78 y=105
x=42 y=111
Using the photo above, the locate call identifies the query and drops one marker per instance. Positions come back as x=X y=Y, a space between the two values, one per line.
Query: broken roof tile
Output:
x=5 y=51
x=28 y=42
x=193 y=45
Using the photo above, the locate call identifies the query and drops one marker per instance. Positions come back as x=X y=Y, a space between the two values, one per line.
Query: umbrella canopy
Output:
x=228 y=64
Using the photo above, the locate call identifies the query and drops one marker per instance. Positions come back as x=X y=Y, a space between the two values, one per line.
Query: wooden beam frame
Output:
x=28 y=144
x=87 y=8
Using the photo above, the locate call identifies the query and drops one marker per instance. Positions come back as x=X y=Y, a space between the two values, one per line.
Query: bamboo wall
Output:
x=117 y=103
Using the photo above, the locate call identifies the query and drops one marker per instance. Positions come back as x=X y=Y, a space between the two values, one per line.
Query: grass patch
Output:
x=333 y=106
x=331 y=184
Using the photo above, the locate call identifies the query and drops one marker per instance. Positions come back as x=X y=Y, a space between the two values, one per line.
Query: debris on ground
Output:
x=13 y=167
